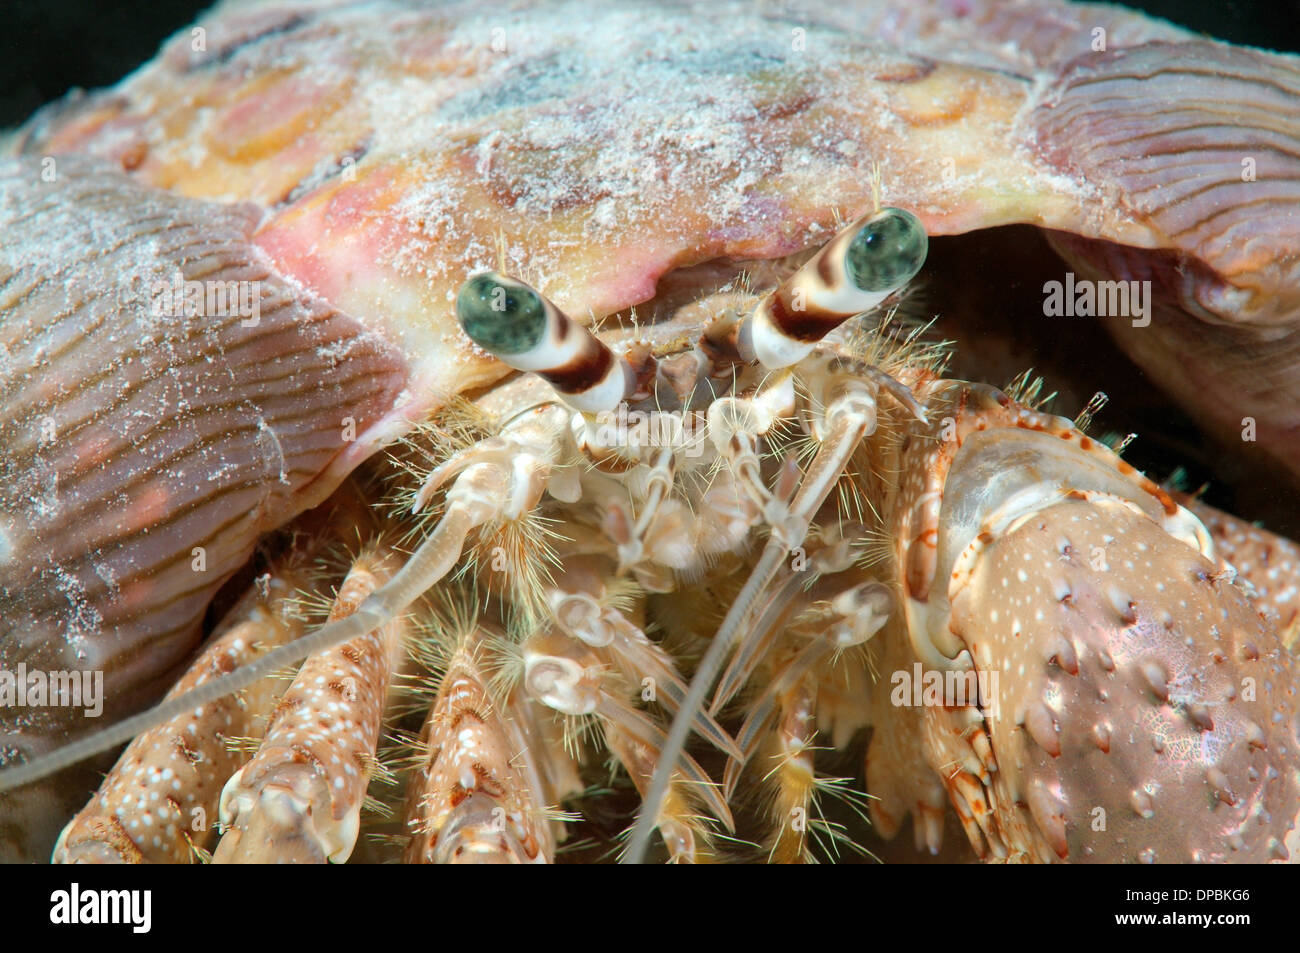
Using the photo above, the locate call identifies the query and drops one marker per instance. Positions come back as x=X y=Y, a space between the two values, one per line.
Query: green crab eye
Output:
x=501 y=316
x=886 y=252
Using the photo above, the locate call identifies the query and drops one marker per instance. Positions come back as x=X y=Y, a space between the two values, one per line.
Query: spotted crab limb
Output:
x=1266 y=563
x=484 y=492
x=300 y=797
x=1156 y=719
x=943 y=508
x=159 y=802
x=478 y=795
x=1124 y=699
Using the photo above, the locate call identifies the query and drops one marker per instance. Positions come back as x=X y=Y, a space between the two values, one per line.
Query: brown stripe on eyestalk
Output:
x=144 y=449
x=809 y=324
x=582 y=373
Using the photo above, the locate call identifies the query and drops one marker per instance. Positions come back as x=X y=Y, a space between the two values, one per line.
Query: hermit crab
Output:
x=488 y=425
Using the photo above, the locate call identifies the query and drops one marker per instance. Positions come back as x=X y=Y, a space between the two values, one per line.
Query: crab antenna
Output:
x=524 y=330
x=860 y=267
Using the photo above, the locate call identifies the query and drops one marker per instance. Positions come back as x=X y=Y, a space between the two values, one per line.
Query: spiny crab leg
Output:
x=833 y=558
x=301 y=795
x=863 y=609
x=794 y=773
x=159 y=802
x=683 y=832
x=760 y=638
x=477 y=797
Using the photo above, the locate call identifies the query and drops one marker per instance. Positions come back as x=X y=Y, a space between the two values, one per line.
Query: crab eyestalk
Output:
x=858 y=269
x=524 y=330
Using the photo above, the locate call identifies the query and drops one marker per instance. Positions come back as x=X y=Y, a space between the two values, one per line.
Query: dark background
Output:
x=49 y=46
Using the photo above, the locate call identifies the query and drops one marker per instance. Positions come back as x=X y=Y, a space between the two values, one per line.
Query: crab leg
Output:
x=478 y=794
x=1139 y=704
x=758 y=641
x=684 y=832
x=857 y=614
x=483 y=491
x=630 y=537
x=766 y=705
x=300 y=797
x=159 y=803
x=794 y=773
x=832 y=558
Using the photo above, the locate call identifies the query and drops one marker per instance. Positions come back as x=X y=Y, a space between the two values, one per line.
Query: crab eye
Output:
x=886 y=252
x=501 y=316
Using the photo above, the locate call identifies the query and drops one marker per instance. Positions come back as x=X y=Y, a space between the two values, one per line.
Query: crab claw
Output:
x=1132 y=703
